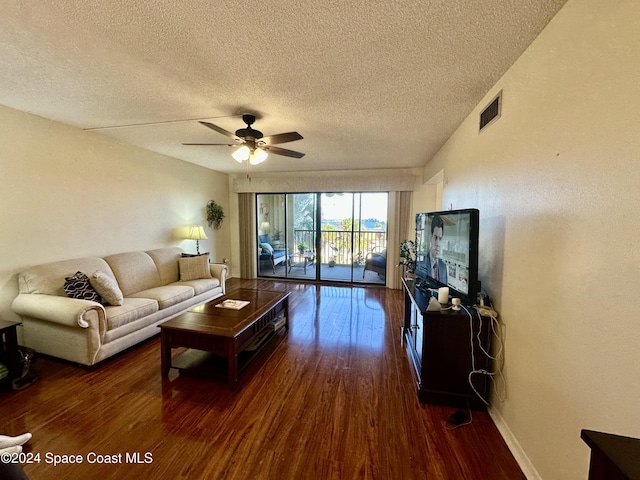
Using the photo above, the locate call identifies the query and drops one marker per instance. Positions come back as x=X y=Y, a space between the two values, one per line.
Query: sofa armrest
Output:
x=71 y=312
x=219 y=271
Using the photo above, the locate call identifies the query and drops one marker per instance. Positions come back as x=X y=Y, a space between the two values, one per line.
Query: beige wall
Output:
x=66 y=193
x=426 y=198
x=557 y=182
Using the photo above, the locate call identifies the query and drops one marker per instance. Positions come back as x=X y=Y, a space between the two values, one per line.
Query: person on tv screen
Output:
x=437 y=267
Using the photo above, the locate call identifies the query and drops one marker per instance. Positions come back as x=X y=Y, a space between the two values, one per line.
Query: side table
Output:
x=9 y=346
x=301 y=260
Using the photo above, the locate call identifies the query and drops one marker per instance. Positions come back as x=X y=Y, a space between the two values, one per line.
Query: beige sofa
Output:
x=155 y=286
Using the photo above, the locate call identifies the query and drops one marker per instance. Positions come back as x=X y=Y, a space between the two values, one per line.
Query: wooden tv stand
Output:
x=439 y=345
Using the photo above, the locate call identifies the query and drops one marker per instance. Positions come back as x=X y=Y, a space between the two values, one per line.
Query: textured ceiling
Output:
x=369 y=84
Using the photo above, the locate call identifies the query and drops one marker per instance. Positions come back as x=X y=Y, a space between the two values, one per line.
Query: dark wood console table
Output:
x=612 y=457
x=439 y=344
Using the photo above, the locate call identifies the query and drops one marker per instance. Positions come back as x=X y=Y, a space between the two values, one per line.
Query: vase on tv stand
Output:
x=408 y=258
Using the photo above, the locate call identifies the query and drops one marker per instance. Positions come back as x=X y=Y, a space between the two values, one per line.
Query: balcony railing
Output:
x=344 y=247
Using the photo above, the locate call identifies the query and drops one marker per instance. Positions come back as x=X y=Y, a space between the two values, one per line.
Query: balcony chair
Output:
x=270 y=255
x=376 y=261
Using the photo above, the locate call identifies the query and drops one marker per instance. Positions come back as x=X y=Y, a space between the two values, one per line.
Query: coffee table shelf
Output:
x=211 y=365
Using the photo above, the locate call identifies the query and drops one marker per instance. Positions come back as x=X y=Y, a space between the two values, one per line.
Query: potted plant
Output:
x=408 y=256
x=215 y=214
x=302 y=247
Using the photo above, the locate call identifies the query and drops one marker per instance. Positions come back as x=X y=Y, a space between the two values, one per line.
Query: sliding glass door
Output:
x=303 y=257
x=354 y=236
x=337 y=237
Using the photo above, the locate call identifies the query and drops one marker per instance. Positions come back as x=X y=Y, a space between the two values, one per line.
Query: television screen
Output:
x=447 y=252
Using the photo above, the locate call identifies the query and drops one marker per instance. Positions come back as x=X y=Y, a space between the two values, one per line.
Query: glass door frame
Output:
x=321 y=249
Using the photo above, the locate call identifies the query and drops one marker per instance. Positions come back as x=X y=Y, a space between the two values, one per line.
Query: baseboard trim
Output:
x=514 y=446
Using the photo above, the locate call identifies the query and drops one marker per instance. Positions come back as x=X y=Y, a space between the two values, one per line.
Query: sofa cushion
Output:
x=200 y=285
x=131 y=310
x=107 y=288
x=49 y=278
x=194 y=268
x=134 y=271
x=79 y=286
x=166 y=260
x=168 y=295
x=266 y=248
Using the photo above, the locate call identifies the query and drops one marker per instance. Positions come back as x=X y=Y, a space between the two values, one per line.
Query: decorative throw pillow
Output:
x=193 y=268
x=79 y=286
x=107 y=288
x=266 y=248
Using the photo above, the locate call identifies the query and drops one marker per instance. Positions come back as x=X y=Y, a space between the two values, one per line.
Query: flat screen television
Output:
x=447 y=252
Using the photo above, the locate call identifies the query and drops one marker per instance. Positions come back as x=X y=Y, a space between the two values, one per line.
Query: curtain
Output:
x=248 y=234
x=399 y=230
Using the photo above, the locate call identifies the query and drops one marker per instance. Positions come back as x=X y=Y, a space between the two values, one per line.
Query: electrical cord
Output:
x=459 y=419
x=497 y=358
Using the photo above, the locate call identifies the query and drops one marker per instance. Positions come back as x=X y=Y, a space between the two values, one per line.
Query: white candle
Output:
x=456 y=303
x=443 y=295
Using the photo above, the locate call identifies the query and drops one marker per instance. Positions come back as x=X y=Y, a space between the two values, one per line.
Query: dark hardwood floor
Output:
x=335 y=398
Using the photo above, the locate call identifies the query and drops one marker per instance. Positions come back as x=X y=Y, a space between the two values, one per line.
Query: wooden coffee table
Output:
x=225 y=332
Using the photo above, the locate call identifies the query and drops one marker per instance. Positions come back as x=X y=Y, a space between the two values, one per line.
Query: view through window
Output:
x=338 y=237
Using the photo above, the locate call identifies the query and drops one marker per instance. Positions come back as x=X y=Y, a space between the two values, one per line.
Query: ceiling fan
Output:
x=254 y=145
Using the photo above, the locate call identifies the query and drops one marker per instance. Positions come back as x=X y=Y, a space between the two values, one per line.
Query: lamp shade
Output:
x=196 y=232
x=258 y=156
x=254 y=157
x=241 y=154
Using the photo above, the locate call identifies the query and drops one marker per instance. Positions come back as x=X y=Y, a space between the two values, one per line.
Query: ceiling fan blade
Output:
x=282 y=151
x=225 y=144
x=281 y=138
x=222 y=131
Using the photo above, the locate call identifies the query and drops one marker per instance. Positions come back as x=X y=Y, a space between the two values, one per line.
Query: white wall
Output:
x=557 y=182
x=66 y=193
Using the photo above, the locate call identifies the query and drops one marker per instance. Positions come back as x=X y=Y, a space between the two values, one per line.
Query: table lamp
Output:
x=196 y=232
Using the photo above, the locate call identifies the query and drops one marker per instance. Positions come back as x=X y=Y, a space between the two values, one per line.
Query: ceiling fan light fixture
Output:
x=254 y=144
x=258 y=156
x=254 y=157
x=241 y=154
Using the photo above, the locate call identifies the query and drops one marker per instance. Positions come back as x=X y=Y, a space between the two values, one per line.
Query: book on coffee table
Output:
x=233 y=304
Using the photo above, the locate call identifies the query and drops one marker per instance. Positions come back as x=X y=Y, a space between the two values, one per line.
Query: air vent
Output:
x=491 y=112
